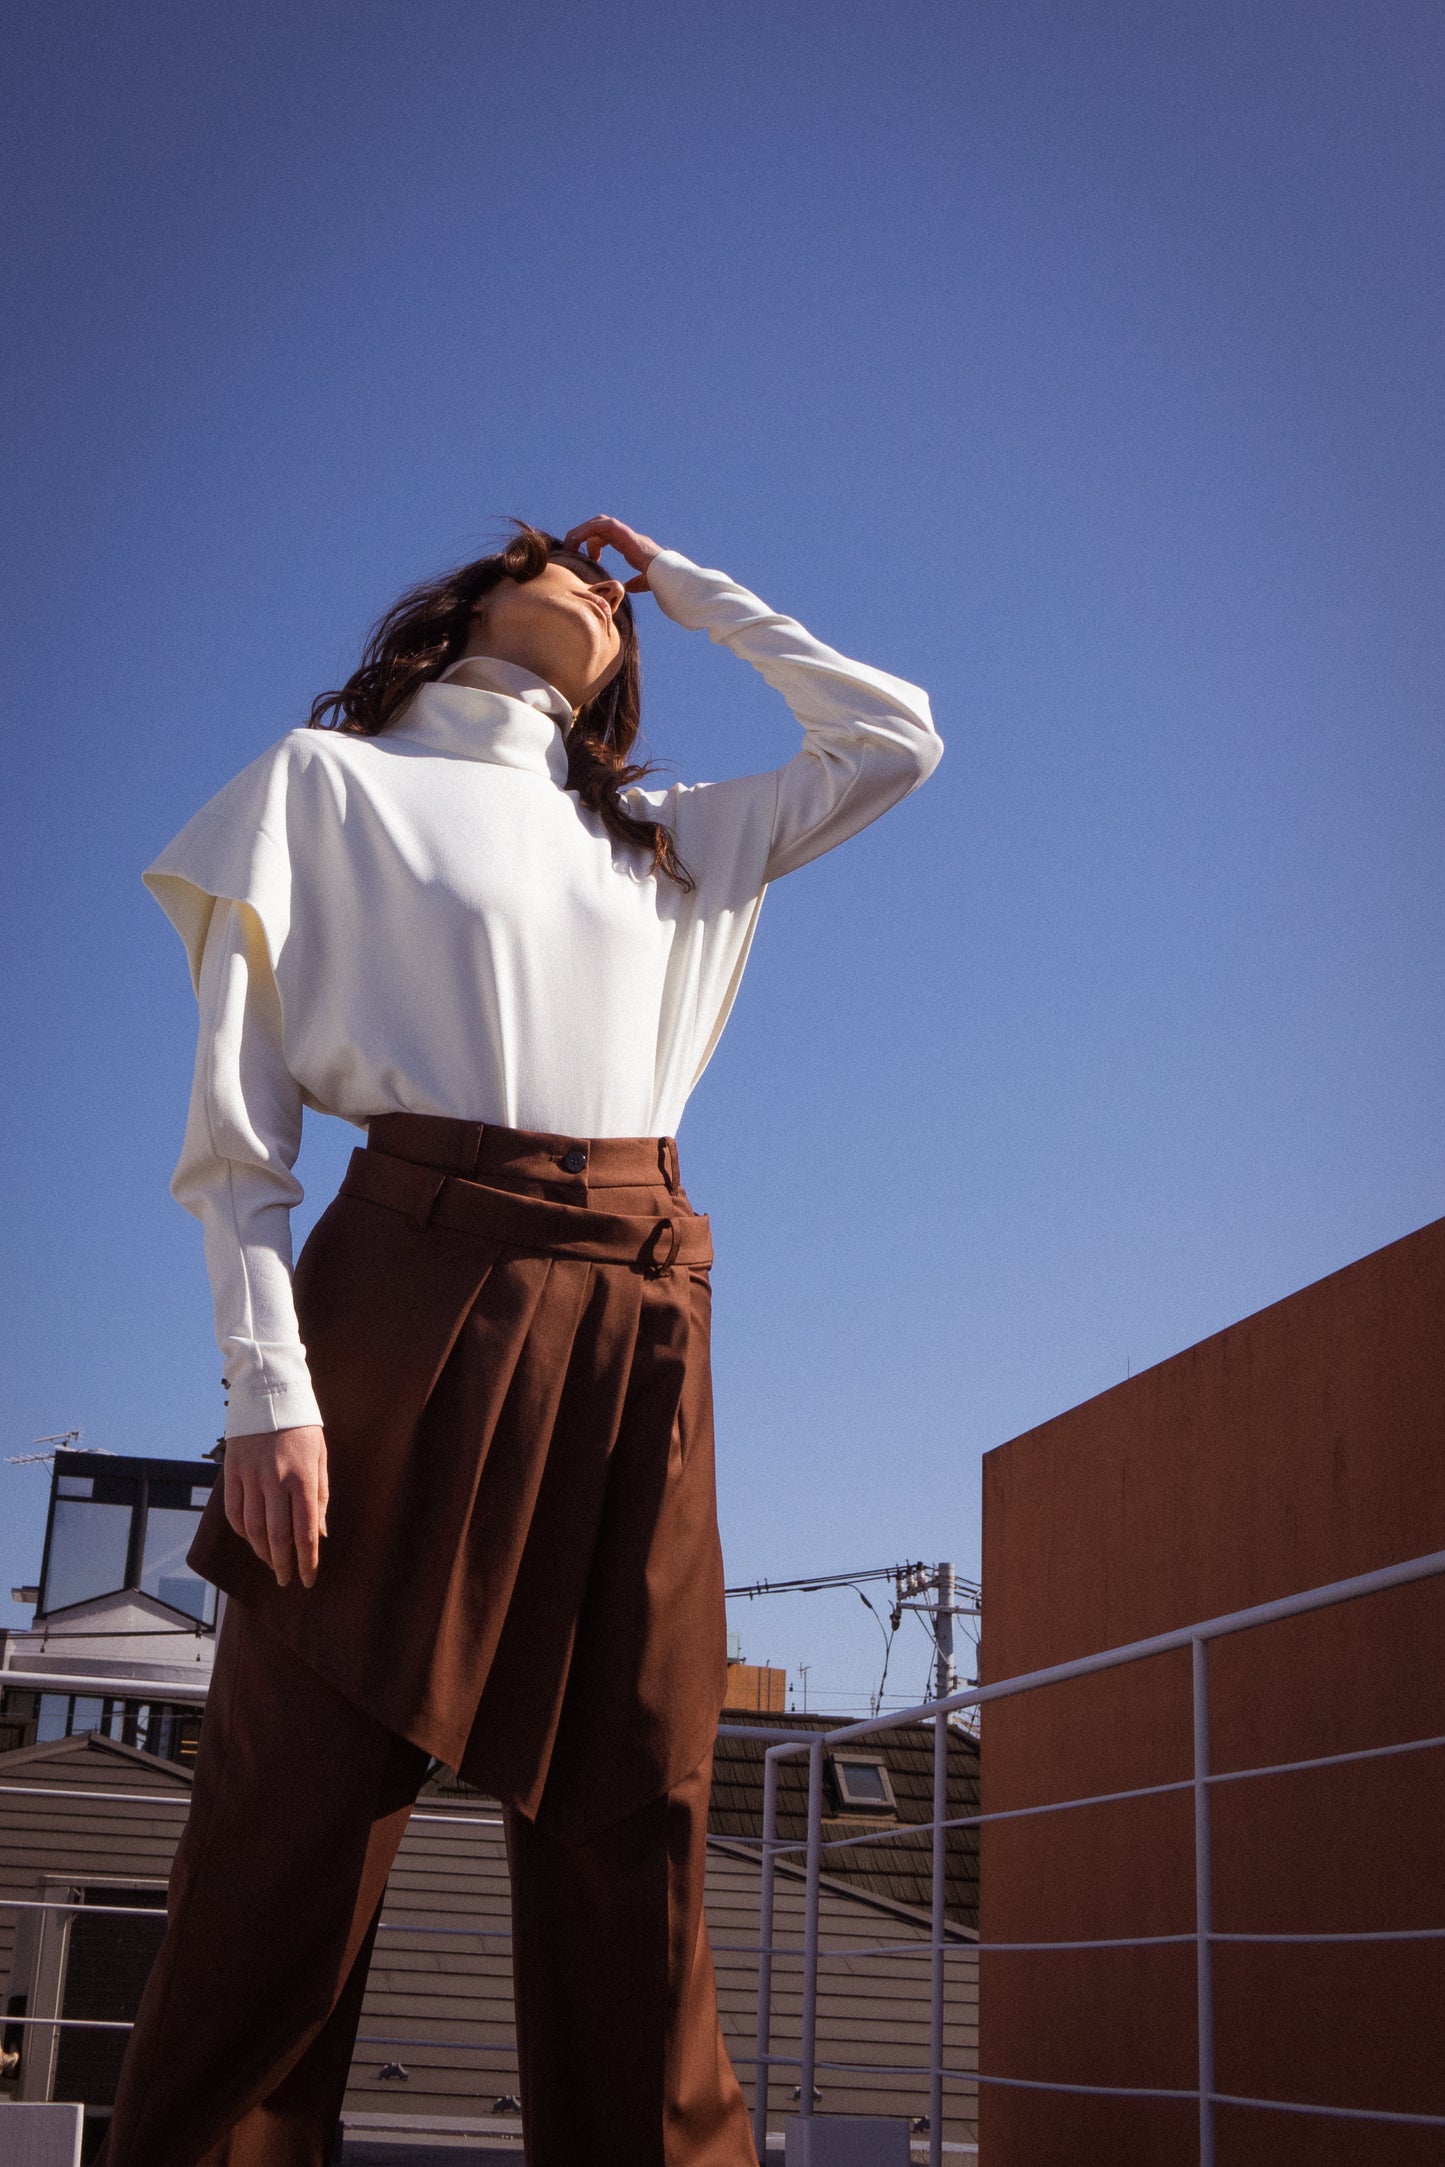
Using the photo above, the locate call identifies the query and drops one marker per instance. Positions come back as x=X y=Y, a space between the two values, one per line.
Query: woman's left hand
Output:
x=595 y=535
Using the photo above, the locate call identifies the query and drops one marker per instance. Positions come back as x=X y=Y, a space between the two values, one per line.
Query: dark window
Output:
x=54 y=1718
x=164 y=1572
x=89 y=1545
x=107 y=1963
x=117 y=1527
x=171 y=1732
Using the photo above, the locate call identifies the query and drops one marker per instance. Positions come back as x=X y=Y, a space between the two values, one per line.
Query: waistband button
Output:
x=574 y=1161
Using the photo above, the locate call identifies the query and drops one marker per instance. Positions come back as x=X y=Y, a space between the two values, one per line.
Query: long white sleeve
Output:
x=868 y=738
x=243 y=1132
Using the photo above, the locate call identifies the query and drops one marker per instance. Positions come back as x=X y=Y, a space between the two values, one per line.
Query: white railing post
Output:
x=809 y=2046
x=1203 y=1902
x=940 y=1894
x=765 y=1952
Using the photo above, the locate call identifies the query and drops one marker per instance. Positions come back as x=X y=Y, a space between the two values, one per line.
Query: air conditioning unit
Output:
x=86 y=1954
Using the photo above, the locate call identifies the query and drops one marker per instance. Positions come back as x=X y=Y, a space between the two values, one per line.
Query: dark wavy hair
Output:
x=427 y=630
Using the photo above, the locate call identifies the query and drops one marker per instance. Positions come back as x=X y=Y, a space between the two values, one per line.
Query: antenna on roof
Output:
x=62 y=1441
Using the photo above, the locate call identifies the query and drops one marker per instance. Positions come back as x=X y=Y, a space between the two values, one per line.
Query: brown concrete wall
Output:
x=1303 y=1445
x=756 y=1688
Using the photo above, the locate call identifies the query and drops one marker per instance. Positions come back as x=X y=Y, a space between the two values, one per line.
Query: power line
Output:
x=815 y=1581
x=936 y=1591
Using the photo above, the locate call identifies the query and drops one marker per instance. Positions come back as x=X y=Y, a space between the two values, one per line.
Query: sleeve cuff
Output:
x=256 y=1408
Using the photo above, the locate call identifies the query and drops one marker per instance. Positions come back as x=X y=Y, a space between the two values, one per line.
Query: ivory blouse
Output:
x=429 y=922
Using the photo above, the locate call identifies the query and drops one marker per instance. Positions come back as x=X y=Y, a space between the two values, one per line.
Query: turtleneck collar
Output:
x=488 y=673
x=503 y=714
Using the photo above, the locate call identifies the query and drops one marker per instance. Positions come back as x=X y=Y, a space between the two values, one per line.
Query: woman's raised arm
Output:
x=868 y=738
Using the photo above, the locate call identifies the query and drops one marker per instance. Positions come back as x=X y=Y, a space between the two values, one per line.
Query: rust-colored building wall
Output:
x=1303 y=1445
x=756 y=1687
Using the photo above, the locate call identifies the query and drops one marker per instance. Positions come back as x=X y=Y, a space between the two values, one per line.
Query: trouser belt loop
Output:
x=667 y=1160
x=426 y=1198
x=660 y=1249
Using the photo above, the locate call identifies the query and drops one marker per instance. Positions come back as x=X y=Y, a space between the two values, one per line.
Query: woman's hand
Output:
x=276 y=1494
x=595 y=535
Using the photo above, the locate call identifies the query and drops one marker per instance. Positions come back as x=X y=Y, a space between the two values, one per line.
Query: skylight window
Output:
x=861 y=1783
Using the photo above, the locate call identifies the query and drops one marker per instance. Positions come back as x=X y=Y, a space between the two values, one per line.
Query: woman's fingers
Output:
x=254 y=1517
x=305 y=1531
x=276 y=1496
x=592 y=536
x=279 y=1503
x=234 y=1493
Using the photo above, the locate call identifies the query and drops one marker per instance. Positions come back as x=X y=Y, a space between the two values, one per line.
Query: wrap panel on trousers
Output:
x=509 y=1338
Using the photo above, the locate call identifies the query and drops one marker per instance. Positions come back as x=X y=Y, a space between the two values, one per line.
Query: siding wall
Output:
x=116 y=1821
x=430 y=1982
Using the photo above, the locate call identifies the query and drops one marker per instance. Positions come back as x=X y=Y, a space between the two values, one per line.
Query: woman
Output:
x=468 y=1510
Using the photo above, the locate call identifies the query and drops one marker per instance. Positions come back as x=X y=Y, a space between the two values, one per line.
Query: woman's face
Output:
x=561 y=626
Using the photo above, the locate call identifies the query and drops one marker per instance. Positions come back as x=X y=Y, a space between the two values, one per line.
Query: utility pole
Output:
x=935 y=1590
x=946 y=1678
x=938 y=1591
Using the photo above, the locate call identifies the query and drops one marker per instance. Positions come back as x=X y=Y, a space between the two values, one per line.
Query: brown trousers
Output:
x=508 y=1334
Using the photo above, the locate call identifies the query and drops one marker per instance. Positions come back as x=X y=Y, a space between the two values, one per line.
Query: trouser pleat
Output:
x=530 y=1546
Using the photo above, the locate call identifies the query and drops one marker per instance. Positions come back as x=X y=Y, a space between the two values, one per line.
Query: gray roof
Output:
x=899 y=1868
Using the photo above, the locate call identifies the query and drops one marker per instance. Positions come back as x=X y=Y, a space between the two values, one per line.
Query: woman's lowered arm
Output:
x=243 y=1132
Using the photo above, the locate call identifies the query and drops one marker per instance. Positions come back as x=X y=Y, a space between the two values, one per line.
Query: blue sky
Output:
x=1078 y=360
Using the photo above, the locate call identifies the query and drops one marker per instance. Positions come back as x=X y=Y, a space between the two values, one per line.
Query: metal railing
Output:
x=1204 y=1935
x=941 y=1945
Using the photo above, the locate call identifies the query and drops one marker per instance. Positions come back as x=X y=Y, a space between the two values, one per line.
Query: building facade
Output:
x=116 y=1606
